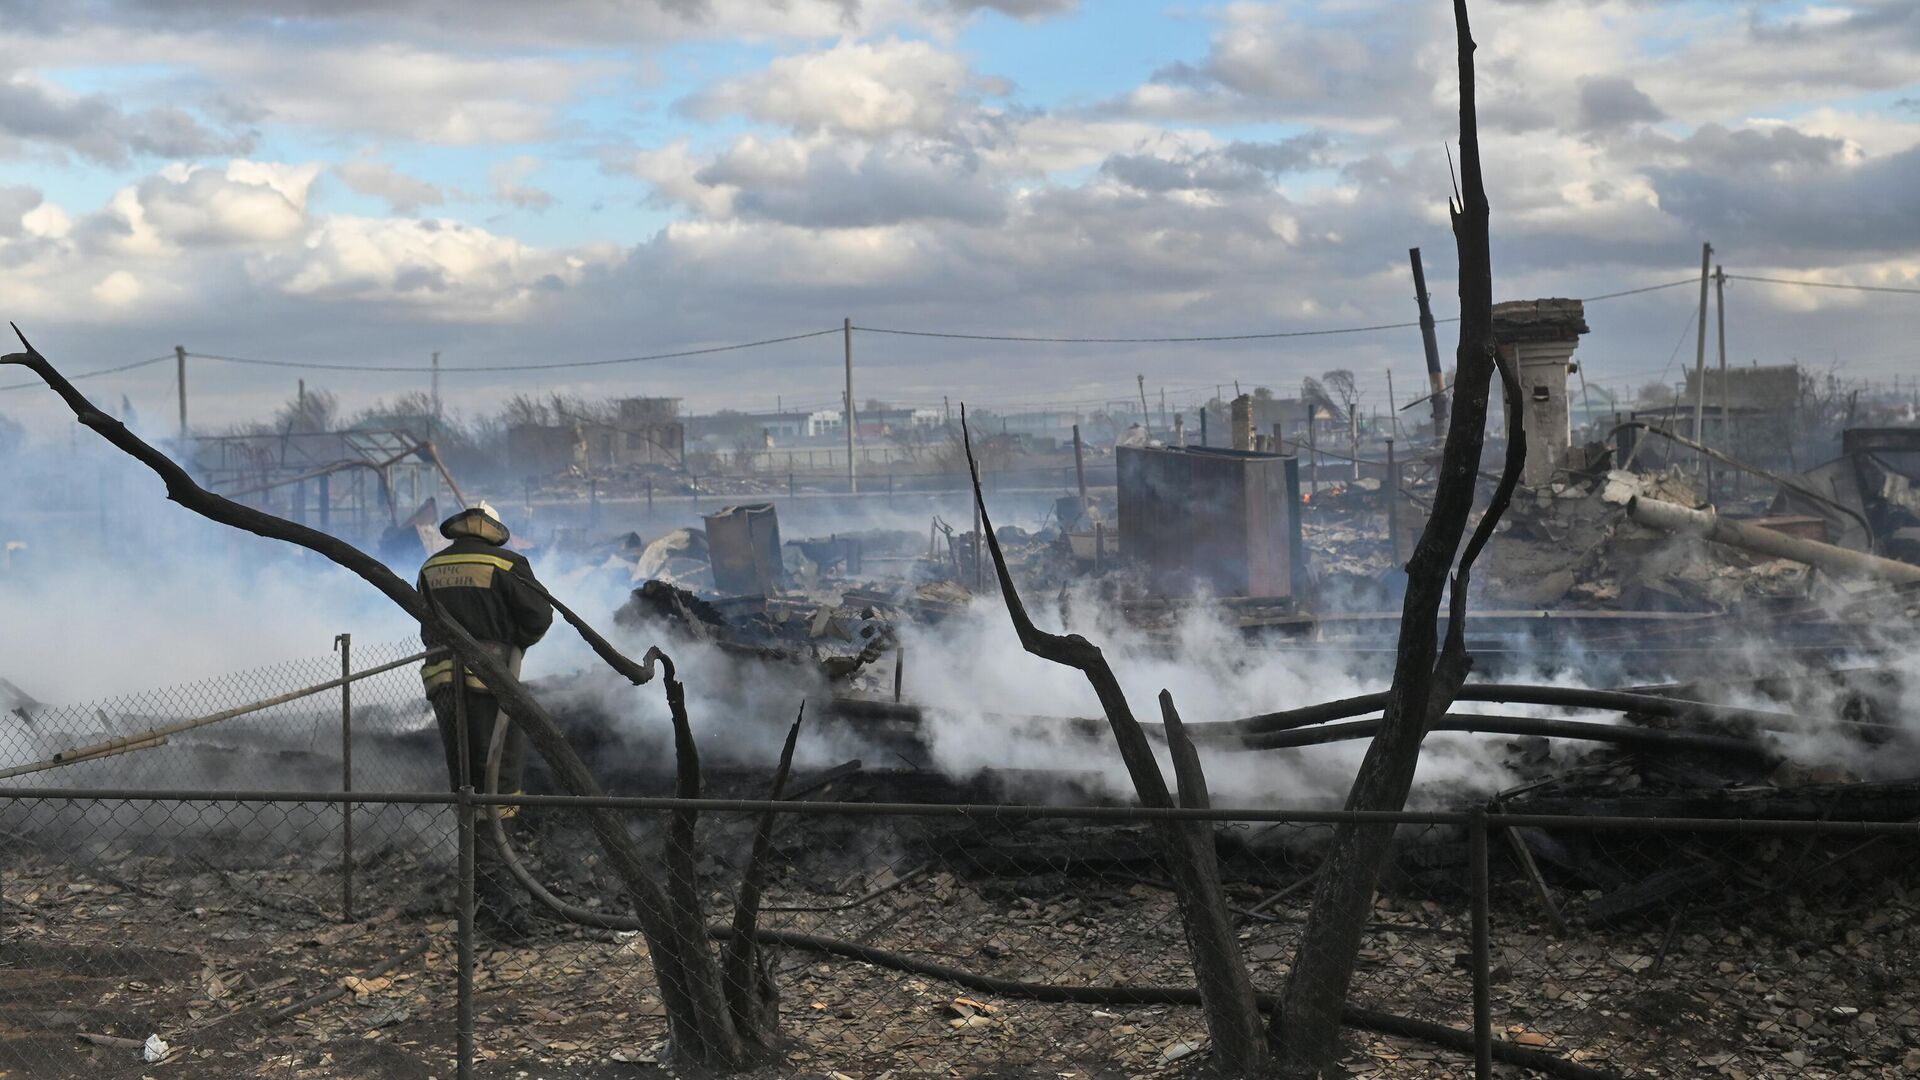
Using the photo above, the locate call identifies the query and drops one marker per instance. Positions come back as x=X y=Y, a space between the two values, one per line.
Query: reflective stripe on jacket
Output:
x=439 y=673
x=492 y=593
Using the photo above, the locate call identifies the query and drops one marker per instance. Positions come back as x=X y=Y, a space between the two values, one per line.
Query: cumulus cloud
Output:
x=1261 y=63
x=1019 y=9
x=1612 y=101
x=1238 y=166
x=510 y=186
x=15 y=202
x=233 y=238
x=861 y=88
x=403 y=194
x=436 y=267
x=245 y=202
x=1715 y=148
x=118 y=289
x=885 y=173
x=400 y=91
x=1811 y=208
x=496 y=22
x=96 y=128
x=826 y=184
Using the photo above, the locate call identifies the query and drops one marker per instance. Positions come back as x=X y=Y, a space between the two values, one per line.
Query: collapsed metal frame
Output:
x=406 y=469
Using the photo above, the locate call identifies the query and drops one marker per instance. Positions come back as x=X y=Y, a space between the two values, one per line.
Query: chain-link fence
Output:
x=199 y=930
x=924 y=940
x=289 y=725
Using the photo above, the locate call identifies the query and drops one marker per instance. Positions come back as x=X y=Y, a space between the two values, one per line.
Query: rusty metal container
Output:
x=743 y=544
x=1211 y=518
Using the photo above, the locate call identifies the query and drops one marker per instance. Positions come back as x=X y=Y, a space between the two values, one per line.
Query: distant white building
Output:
x=825 y=422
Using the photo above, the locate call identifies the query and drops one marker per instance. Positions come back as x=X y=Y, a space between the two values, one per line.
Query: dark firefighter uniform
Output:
x=492 y=593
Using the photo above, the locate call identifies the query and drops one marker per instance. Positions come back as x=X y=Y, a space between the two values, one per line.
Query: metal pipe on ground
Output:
x=1510 y=693
x=1795 y=486
x=1709 y=525
x=1567 y=697
x=1626 y=735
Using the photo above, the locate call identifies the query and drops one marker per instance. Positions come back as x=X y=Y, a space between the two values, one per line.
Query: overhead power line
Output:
x=564 y=364
x=1140 y=340
x=1228 y=337
x=1642 y=289
x=1824 y=284
x=91 y=374
x=318 y=365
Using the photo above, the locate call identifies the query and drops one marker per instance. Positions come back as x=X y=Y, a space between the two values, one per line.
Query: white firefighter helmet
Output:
x=480 y=522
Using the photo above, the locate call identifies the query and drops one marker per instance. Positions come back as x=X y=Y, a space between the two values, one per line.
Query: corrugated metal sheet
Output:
x=1218 y=519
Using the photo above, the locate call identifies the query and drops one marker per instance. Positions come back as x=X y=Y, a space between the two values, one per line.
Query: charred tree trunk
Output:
x=750 y=989
x=690 y=985
x=1426 y=676
x=1226 y=991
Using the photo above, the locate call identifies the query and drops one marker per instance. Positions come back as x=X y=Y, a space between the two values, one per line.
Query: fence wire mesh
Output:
x=216 y=926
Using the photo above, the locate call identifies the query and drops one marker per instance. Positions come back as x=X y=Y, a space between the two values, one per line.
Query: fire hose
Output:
x=1367 y=1019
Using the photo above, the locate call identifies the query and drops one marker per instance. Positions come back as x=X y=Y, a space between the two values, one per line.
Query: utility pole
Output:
x=1436 y=379
x=853 y=482
x=1146 y=422
x=1313 y=455
x=1393 y=407
x=180 y=363
x=1720 y=315
x=433 y=425
x=1700 y=352
x=1353 y=436
x=1079 y=468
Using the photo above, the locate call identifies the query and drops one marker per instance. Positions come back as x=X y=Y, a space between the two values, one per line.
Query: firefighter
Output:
x=492 y=593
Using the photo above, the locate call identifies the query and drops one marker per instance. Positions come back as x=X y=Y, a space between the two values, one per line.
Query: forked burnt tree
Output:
x=717 y=1020
x=1426 y=673
x=1300 y=1039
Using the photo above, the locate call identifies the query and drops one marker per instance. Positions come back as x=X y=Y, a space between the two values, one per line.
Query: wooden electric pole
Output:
x=1720 y=336
x=1079 y=467
x=1393 y=407
x=1700 y=352
x=1436 y=379
x=853 y=482
x=180 y=363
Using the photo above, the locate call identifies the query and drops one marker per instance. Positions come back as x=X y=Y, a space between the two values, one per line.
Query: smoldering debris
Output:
x=898 y=643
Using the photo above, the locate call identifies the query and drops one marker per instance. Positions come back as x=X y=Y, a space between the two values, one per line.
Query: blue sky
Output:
x=373 y=186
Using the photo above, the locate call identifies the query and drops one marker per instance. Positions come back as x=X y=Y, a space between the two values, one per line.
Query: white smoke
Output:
x=983 y=690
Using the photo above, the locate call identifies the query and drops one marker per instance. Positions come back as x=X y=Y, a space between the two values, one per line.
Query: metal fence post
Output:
x=1482 y=948
x=344 y=642
x=463 y=1023
x=463 y=815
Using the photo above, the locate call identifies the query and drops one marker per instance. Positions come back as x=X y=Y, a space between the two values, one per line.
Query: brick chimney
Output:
x=1538 y=337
